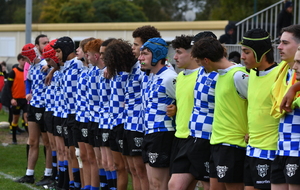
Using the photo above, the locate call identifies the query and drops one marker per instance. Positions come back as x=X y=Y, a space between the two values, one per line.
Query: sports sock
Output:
x=61 y=174
x=66 y=176
x=114 y=178
x=76 y=175
x=103 y=179
x=54 y=165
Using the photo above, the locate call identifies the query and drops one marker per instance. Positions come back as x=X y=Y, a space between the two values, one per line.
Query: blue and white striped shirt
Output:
x=82 y=112
x=133 y=99
x=200 y=124
x=93 y=94
x=289 y=134
x=104 y=94
x=117 y=98
x=50 y=96
x=59 y=104
x=159 y=93
x=71 y=74
x=38 y=87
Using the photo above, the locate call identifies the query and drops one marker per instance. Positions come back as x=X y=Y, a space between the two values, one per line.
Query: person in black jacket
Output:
x=229 y=36
x=285 y=17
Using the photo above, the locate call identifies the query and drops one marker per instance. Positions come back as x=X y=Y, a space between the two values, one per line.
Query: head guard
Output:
x=158 y=47
x=49 y=52
x=66 y=45
x=30 y=51
x=259 y=41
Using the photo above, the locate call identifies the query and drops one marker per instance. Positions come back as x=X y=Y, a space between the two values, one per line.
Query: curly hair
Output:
x=118 y=57
x=146 y=32
x=93 y=46
x=182 y=41
x=84 y=42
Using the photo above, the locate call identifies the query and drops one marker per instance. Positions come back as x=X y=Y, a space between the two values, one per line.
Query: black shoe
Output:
x=44 y=181
x=51 y=186
x=26 y=179
x=14 y=143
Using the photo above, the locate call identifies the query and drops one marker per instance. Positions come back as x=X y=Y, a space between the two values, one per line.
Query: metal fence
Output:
x=266 y=19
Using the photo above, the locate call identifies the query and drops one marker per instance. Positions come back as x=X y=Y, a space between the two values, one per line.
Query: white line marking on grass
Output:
x=12 y=178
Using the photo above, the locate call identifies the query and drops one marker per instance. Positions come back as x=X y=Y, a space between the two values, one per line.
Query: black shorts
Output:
x=84 y=132
x=58 y=126
x=257 y=172
x=76 y=132
x=37 y=115
x=92 y=134
x=227 y=164
x=116 y=138
x=21 y=105
x=192 y=156
x=104 y=137
x=97 y=137
x=69 y=135
x=156 y=149
x=285 y=169
x=132 y=143
x=49 y=121
x=176 y=146
x=81 y=132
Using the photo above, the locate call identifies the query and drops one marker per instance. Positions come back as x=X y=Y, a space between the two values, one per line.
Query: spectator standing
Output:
x=285 y=17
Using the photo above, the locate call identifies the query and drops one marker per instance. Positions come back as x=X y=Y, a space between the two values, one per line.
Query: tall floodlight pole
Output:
x=28 y=20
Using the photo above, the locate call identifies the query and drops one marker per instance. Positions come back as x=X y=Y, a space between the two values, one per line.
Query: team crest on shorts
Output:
x=105 y=137
x=38 y=116
x=65 y=131
x=221 y=171
x=59 y=129
x=84 y=132
x=120 y=143
x=206 y=164
x=138 y=141
x=152 y=157
x=291 y=169
x=262 y=170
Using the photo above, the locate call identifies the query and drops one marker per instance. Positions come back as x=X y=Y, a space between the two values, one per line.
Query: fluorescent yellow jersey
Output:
x=230 y=117
x=185 y=85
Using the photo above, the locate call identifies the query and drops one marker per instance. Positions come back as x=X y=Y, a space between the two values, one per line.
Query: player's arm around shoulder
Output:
x=170 y=84
x=241 y=79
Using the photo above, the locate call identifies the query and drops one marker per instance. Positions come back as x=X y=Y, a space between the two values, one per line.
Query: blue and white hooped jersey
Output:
x=159 y=93
x=144 y=83
x=50 y=96
x=200 y=123
x=93 y=94
x=259 y=153
x=133 y=99
x=71 y=73
x=289 y=134
x=82 y=111
x=59 y=104
x=104 y=94
x=117 y=98
x=38 y=87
